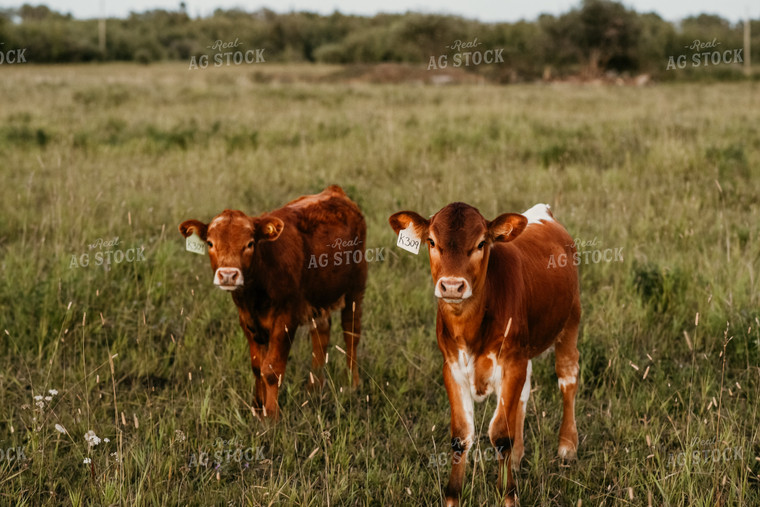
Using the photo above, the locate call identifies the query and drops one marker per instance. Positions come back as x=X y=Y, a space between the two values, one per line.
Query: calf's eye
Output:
x=481 y=245
x=431 y=243
x=210 y=244
x=250 y=244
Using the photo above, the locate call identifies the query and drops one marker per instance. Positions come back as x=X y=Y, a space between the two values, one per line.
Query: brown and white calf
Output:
x=264 y=261
x=499 y=305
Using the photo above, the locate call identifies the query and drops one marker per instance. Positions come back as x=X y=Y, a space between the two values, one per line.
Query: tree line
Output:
x=595 y=38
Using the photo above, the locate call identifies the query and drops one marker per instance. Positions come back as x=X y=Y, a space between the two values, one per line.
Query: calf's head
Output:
x=459 y=242
x=232 y=238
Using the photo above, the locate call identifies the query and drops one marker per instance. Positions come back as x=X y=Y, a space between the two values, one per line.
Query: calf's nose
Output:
x=452 y=288
x=228 y=278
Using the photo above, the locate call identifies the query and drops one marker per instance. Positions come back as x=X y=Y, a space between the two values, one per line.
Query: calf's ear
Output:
x=188 y=227
x=507 y=227
x=403 y=219
x=268 y=229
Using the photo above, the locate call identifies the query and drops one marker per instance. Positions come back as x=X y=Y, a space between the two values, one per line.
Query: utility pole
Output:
x=102 y=29
x=747 y=56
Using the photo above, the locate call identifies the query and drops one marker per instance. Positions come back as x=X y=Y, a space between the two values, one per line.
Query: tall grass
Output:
x=150 y=355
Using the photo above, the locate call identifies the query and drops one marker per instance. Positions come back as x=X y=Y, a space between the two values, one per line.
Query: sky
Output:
x=483 y=10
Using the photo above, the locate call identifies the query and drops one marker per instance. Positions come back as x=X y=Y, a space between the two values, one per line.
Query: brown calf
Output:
x=499 y=305
x=267 y=264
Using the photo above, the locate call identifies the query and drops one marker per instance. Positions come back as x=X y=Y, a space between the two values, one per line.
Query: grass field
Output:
x=667 y=404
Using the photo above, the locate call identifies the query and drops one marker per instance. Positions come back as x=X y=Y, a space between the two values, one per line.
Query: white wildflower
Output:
x=40 y=404
x=48 y=398
x=87 y=461
x=106 y=440
x=38 y=398
x=53 y=392
x=91 y=438
x=60 y=429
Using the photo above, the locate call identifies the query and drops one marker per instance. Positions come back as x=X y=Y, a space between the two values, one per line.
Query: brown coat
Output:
x=501 y=302
x=267 y=263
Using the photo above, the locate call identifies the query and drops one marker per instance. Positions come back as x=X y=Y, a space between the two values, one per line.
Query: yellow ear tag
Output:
x=195 y=244
x=269 y=230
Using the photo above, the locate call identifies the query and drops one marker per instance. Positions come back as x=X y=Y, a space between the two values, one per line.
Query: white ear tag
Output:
x=408 y=240
x=195 y=244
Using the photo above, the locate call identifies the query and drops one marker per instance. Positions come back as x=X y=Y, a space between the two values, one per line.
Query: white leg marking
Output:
x=525 y=394
x=462 y=379
x=568 y=380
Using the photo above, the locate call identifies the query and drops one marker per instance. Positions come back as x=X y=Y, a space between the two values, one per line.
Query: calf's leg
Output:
x=462 y=427
x=518 y=449
x=257 y=352
x=566 y=366
x=503 y=429
x=273 y=366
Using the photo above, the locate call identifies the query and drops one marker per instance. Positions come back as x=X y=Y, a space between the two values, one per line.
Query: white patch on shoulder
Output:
x=537 y=213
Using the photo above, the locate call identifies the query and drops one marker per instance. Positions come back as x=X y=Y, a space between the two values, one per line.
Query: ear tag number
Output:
x=408 y=240
x=195 y=244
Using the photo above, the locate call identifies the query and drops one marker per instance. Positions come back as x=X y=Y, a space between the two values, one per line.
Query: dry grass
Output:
x=668 y=173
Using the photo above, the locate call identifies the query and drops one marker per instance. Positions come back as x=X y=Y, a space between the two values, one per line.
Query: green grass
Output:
x=667 y=173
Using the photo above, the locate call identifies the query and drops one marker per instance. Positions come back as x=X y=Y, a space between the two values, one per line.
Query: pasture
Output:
x=148 y=354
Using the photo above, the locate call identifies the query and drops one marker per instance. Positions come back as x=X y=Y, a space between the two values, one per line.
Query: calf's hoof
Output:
x=567 y=452
x=517 y=456
x=452 y=502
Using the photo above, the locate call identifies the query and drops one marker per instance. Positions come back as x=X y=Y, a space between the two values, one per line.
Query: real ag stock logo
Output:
x=701 y=453
x=466 y=54
x=224 y=453
x=705 y=58
x=346 y=252
x=227 y=58
x=12 y=453
x=107 y=252
x=586 y=252
x=11 y=56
